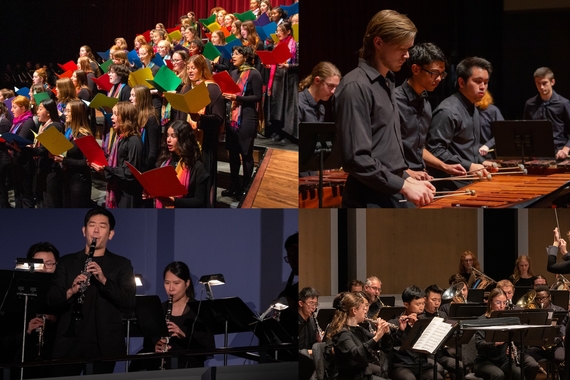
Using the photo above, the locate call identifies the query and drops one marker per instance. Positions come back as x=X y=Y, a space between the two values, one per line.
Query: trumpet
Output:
x=167 y=338
x=40 y=330
x=77 y=313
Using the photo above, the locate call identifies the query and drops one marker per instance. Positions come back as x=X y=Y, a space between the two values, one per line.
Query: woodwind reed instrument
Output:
x=167 y=338
x=77 y=311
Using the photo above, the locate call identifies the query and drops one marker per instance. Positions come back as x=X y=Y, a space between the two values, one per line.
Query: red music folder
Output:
x=277 y=56
x=159 y=182
x=226 y=83
x=92 y=151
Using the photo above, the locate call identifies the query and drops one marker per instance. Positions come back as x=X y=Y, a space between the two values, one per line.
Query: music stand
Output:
x=224 y=316
x=516 y=139
x=317 y=150
x=560 y=298
x=20 y=285
x=388 y=313
x=147 y=320
x=466 y=310
x=476 y=295
x=325 y=316
x=414 y=335
x=526 y=317
x=388 y=300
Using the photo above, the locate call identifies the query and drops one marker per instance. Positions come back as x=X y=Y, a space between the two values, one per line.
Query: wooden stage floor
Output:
x=276 y=182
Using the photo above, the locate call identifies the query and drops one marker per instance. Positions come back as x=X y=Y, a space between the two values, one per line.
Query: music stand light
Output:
x=278 y=305
x=139 y=280
x=210 y=280
x=29 y=265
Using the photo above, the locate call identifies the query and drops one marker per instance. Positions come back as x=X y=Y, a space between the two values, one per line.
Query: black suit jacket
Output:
x=103 y=308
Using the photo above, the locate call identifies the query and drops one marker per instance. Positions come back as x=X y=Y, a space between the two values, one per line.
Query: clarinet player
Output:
x=93 y=328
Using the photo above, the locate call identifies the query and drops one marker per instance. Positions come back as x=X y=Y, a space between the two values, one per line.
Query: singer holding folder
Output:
x=111 y=292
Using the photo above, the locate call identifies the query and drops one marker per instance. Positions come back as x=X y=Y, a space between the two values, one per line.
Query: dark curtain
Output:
x=202 y=8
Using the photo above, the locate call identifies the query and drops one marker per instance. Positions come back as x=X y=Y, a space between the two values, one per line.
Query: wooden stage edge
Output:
x=275 y=184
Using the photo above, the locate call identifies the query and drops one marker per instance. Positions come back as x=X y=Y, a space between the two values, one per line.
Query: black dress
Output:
x=5 y=164
x=241 y=140
x=24 y=167
x=210 y=122
x=128 y=191
x=151 y=142
x=76 y=179
x=48 y=176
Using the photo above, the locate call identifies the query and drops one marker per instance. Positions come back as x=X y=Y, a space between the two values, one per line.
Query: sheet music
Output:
x=432 y=336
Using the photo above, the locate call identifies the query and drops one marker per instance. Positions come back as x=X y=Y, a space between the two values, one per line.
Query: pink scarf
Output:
x=183 y=175
x=17 y=122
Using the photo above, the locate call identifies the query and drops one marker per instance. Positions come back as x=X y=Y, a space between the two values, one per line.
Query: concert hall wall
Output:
x=246 y=246
x=421 y=247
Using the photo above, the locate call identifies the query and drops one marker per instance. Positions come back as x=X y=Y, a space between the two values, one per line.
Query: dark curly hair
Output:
x=247 y=53
x=122 y=71
x=187 y=144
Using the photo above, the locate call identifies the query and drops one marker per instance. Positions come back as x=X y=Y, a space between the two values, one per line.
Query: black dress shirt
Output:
x=557 y=110
x=369 y=137
x=486 y=116
x=415 y=119
x=310 y=110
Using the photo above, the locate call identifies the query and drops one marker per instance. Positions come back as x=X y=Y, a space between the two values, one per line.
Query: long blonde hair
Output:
x=144 y=106
x=516 y=272
x=340 y=319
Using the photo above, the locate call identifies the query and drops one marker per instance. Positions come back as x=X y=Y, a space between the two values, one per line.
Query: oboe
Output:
x=320 y=332
x=167 y=338
x=77 y=313
x=40 y=330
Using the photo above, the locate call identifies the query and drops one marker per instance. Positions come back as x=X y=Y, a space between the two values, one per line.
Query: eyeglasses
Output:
x=375 y=288
x=331 y=86
x=542 y=298
x=49 y=264
x=499 y=303
x=175 y=60
x=312 y=304
x=288 y=258
x=435 y=74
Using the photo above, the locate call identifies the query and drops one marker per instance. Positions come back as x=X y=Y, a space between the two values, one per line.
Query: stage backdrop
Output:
x=246 y=246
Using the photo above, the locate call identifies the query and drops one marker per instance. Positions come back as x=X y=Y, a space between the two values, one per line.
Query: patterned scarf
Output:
x=183 y=175
x=112 y=186
x=236 y=106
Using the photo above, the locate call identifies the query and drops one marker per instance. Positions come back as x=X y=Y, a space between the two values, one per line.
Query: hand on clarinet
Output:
x=97 y=272
x=76 y=285
x=419 y=193
x=160 y=346
x=382 y=328
x=175 y=331
x=34 y=324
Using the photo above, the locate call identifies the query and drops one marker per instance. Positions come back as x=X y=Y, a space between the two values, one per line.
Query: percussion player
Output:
x=427 y=64
x=368 y=123
x=454 y=132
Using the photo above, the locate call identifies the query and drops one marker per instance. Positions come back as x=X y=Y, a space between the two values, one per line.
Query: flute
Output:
x=375 y=321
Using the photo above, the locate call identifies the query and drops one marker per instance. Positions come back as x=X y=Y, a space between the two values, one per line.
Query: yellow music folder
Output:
x=192 y=101
x=140 y=76
x=54 y=141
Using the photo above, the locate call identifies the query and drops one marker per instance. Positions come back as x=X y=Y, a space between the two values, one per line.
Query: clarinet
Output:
x=77 y=313
x=167 y=319
x=40 y=330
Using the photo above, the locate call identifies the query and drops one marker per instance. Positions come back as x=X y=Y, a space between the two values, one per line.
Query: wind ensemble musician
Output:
x=93 y=329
